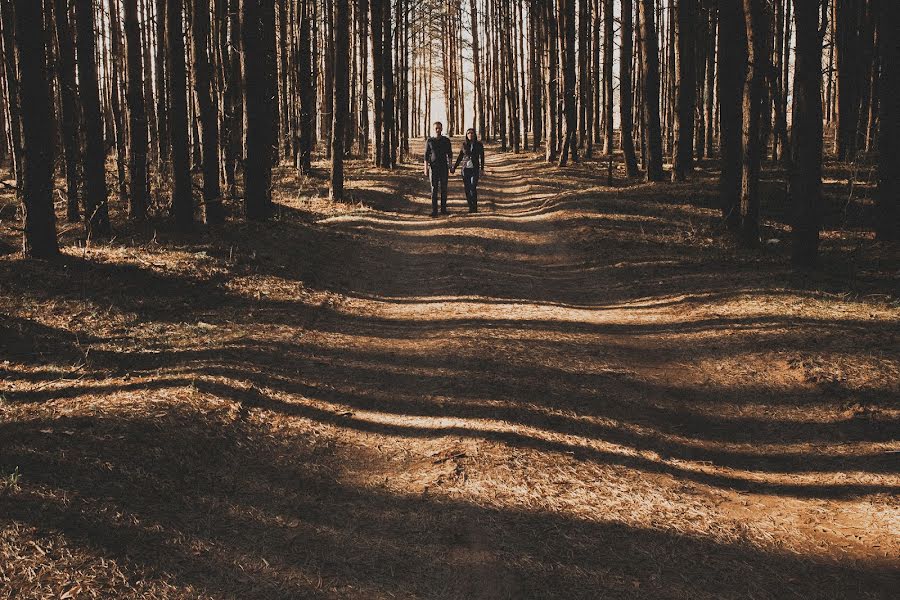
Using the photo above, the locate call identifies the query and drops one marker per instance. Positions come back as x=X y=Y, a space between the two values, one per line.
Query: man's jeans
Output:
x=439 y=176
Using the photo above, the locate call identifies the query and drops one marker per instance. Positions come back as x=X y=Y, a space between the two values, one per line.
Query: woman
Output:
x=472 y=157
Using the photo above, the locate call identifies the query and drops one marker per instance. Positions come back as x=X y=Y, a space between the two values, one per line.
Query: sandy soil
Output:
x=582 y=391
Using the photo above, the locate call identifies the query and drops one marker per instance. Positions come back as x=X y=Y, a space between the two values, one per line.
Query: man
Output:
x=438 y=155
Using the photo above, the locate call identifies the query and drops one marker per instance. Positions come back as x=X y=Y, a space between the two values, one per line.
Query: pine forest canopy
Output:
x=154 y=90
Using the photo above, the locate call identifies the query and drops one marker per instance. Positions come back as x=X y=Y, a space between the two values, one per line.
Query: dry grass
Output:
x=583 y=391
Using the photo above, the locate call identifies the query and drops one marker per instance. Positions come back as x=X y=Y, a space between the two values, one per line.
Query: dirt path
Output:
x=576 y=393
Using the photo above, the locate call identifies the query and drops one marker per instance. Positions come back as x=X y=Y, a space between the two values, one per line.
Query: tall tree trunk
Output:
x=389 y=134
x=847 y=51
x=376 y=23
x=68 y=92
x=806 y=142
x=731 y=74
x=96 y=207
x=182 y=196
x=233 y=101
x=12 y=89
x=608 y=143
x=137 y=114
x=259 y=74
x=476 y=65
x=888 y=197
x=341 y=98
x=625 y=100
x=754 y=19
x=650 y=76
x=213 y=210
x=567 y=27
x=307 y=91
x=115 y=35
x=686 y=88
x=363 y=20
x=37 y=127
x=162 y=91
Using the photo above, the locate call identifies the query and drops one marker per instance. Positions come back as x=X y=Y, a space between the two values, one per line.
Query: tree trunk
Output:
x=731 y=73
x=375 y=23
x=341 y=98
x=805 y=182
x=625 y=100
x=65 y=69
x=137 y=114
x=12 y=88
x=888 y=197
x=37 y=128
x=567 y=29
x=259 y=76
x=182 y=196
x=213 y=210
x=609 y=131
x=686 y=88
x=754 y=19
x=96 y=207
x=650 y=76
x=307 y=91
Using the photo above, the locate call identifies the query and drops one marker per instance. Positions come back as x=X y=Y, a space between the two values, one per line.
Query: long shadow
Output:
x=227 y=507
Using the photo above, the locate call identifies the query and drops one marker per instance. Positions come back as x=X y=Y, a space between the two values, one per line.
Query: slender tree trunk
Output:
x=625 y=100
x=389 y=135
x=209 y=123
x=363 y=20
x=233 y=101
x=806 y=144
x=137 y=166
x=259 y=79
x=888 y=197
x=162 y=91
x=609 y=137
x=650 y=75
x=182 y=196
x=96 y=207
x=731 y=75
x=686 y=88
x=341 y=98
x=307 y=92
x=68 y=92
x=754 y=19
x=376 y=24
x=12 y=88
x=115 y=98
x=567 y=27
x=39 y=240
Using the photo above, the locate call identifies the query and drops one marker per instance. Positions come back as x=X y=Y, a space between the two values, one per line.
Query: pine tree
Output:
x=37 y=127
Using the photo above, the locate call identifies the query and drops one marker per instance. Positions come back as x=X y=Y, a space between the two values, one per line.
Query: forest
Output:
x=239 y=360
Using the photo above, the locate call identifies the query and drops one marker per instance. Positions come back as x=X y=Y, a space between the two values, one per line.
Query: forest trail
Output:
x=575 y=393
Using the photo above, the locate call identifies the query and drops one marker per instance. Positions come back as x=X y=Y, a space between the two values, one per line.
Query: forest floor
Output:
x=582 y=391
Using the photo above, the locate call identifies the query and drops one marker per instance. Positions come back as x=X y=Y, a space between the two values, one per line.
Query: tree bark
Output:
x=686 y=88
x=341 y=98
x=805 y=182
x=731 y=74
x=213 y=209
x=137 y=114
x=650 y=76
x=96 y=207
x=625 y=99
x=567 y=29
x=39 y=240
x=68 y=92
x=754 y=19
x=888 y=197
x=259 y=76
x=182 y=196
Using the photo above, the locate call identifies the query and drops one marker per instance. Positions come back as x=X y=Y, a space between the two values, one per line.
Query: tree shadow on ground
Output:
x=220 y=504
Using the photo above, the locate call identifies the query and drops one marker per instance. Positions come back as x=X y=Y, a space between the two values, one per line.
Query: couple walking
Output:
x=438 y=156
